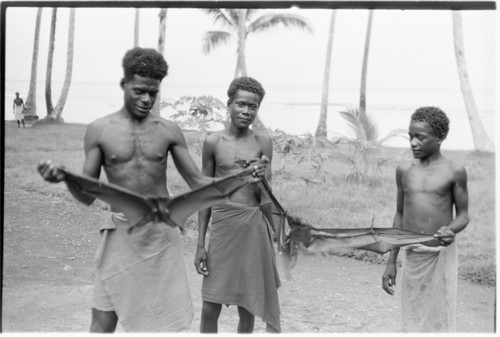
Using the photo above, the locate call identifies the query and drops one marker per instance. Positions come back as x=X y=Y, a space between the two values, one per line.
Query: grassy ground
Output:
x=322 y=198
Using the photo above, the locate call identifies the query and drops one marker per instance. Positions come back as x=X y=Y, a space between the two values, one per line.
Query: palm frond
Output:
x=267 y=21
x=394 y=133
x=214 y=38
x=227 y=17
x=361 y=124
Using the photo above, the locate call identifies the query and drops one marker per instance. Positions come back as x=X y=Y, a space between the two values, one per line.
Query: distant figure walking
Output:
x=18 y=110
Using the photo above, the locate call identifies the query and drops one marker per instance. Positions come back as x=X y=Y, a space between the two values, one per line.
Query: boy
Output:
x=240 y=267
x=428 y=189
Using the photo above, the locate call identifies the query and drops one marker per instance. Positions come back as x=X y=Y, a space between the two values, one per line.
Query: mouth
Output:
x=142 y=109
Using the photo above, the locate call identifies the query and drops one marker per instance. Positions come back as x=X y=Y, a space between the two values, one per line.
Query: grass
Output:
x=321 y=198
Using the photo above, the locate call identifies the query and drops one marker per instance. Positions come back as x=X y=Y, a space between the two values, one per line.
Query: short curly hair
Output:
x=145 y=62
x=435 y=117
x=247 y=84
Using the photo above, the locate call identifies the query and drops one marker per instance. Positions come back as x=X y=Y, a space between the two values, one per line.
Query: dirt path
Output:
x=49 y=244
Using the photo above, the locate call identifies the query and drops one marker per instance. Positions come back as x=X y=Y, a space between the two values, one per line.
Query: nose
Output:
x=146 y=97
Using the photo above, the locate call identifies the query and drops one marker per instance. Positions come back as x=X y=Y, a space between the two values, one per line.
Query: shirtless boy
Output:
x=429 y=190
x=18 y=110
x=141 y=278
x=240 y=267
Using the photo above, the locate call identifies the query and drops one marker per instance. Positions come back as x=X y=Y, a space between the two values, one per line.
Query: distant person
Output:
x=141 y=279
x=240 y=266
x=18 y=110
x=430 y=189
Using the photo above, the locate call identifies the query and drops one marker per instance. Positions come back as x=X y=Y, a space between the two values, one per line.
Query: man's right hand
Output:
x=50 y=172
x=389 y=278
x=200 y=261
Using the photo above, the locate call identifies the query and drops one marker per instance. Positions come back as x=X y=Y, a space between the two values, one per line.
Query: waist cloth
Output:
x=18 y=112
x=242 y=263
x=143 y=276
x=429 y=288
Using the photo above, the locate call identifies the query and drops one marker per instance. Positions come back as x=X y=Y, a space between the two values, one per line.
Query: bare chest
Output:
x=427 y=181
x=229 y=151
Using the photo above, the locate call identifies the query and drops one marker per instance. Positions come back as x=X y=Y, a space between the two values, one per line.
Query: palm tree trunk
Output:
x=136 y=27
x=241 y=68
x=161 y=49
x=321 y=129
x=69 y=67
x=48 y=77
x=364 y=71
x=30 y=106
x=479 y=136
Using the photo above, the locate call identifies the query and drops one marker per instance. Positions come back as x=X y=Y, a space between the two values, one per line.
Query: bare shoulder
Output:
x=263 y=136
x=458 y=170
x=214 y=137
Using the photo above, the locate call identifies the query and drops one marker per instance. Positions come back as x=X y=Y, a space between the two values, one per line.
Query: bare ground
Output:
x=49 y=243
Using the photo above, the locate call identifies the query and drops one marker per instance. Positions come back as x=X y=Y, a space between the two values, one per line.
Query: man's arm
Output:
x=460 y=197
x=91 y=167
x=208 y=169
x=389 y=276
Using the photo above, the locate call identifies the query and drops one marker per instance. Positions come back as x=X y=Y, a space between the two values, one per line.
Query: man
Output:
x=18 y=110
x=240 y=267
x=141 y=278
x=429 y=189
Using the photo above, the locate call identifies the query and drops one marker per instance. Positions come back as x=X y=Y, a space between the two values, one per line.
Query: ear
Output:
x=122 y=83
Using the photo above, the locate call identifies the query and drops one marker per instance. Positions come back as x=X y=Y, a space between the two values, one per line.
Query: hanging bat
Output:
x=174 y=211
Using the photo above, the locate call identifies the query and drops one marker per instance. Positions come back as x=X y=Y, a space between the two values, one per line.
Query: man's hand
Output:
x=50 y=172
x=200 y=261
x=259 y=165
x=445 y=235
x=389 y=278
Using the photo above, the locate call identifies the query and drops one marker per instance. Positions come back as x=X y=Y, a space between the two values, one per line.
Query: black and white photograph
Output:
x=249 y=166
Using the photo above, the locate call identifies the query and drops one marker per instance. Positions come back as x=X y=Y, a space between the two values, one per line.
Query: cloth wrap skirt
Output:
x=242 y=263
x=143 y=276
x=429 y=288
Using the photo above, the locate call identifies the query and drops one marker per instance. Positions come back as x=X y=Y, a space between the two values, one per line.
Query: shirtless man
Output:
x=429 y=190
x=18 y=110
x=141 y=278
x=240 y=267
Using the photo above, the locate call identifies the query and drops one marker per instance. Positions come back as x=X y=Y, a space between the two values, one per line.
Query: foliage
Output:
x=365 y=155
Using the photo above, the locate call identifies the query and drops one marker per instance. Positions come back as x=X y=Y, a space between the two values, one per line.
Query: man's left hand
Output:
x=445 y=235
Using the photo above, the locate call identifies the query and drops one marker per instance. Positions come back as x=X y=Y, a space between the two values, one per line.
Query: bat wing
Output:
x=131 y=204
x=182 y=206
x=378 y=240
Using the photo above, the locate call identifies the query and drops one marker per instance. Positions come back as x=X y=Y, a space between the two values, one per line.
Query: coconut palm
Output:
x=321 y=129
x=162 y=27
x=54 y=114
x=30 y=106
x=479 y=136
x=364 y=70
x=137 y=20
x=240 y=23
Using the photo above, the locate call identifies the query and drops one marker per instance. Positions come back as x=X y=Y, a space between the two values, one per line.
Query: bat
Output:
x=174 y=211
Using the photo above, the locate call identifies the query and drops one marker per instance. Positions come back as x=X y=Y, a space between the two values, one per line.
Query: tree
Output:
x=30 y=106
x=321 y=129
x=162 y=27
x=50 y=58
x=136 y=26
x=364 y=70
x=480 y=138
x=240 y=23
x=54 y=114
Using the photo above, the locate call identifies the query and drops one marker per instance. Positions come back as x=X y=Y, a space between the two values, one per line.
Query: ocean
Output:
x=294 y=110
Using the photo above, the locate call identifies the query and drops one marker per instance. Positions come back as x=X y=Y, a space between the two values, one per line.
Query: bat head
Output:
x=297 y=240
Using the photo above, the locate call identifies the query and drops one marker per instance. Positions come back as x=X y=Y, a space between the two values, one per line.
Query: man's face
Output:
x=423 y=141
x=140 y=95
x=243 y=109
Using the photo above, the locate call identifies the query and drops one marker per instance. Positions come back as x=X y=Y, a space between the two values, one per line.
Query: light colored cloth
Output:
x=429 y=288
x=18 y=112
x=242 y=263
x=143 y=276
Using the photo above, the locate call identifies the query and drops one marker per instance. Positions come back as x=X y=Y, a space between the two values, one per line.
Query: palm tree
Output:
x=54 y=114
x=69 y=66
x=162 y=27
x=364 y=70
x=321 y=129
x=30 y=106
x=50 y=58
x=240 y=23
x=480 y=138
x=136 y=26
